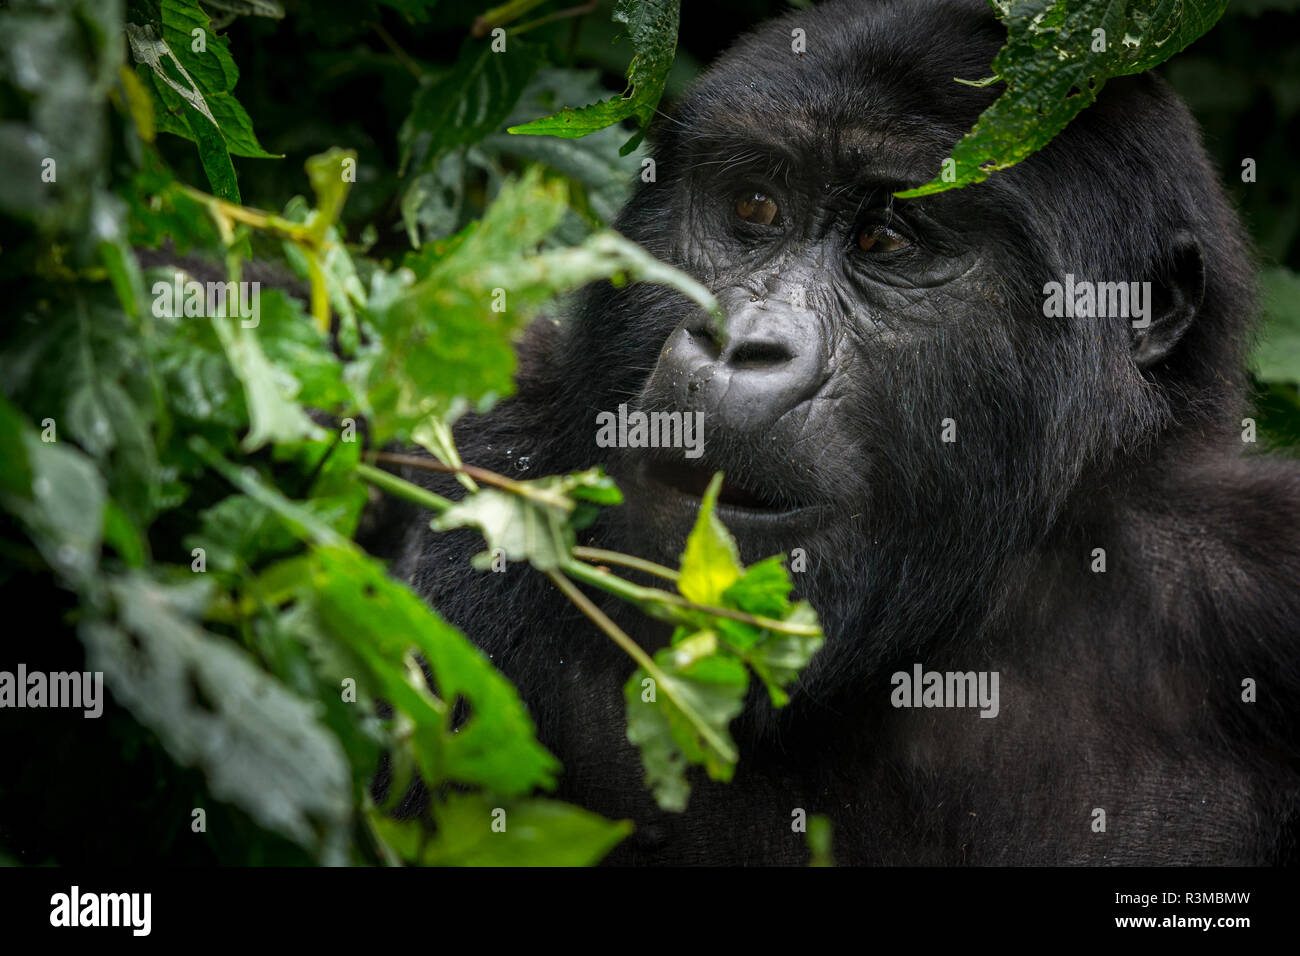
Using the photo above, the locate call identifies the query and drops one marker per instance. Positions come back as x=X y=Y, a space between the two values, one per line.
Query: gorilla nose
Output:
x=767 y=365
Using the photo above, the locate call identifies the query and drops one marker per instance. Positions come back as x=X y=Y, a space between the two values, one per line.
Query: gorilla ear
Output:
x=1175 y=299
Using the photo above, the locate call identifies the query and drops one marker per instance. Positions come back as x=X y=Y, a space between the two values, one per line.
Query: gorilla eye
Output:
x=877 y=238
x=756 y=207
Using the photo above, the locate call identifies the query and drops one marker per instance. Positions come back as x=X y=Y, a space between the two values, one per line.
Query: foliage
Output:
x=191 y=470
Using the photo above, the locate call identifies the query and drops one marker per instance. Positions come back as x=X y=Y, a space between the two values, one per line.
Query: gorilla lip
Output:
x=690 y=480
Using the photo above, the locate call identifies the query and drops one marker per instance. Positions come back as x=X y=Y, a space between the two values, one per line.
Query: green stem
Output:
x=502 y=14
x=601 y=619
x=647 y=598
x=521 y=488
x=626 y=560
x=401 y=488
x=588 y=607
x=256 y=218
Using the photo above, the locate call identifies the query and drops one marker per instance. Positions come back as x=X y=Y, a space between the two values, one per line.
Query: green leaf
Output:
x=686 y=722
x=63 y=506
x=381 y=622
x=704 y=676
x=652 y=28
x=593 y=163
x=360 y=617
x=441 y=339
x=711 y=561
x=1277 y=356
x=191 y=76
x=776 y=657
x=537 y=832
x=535 y=526
x=1052 y=71
x=259 y=746
x=478 y=830
x=467 y=102
x=273 y=414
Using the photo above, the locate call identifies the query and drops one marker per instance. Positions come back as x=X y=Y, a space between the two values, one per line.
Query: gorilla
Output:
x=1061 y=502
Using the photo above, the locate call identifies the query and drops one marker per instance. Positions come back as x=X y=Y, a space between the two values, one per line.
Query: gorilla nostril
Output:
x=758 y=355
x=703 y=337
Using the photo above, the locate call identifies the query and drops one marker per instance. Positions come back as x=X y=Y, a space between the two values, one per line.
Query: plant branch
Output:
x=646 y=599
x=500 y=15
x=602 y=620
x=401 y=488
x=620 y=637
x=581 y=10
x=626 y=560
x=521 y=488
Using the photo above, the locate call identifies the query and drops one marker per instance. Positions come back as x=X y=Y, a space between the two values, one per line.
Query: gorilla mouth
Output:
x=692 y=480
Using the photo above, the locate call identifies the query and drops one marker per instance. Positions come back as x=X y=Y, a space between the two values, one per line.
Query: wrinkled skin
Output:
x=857 y=325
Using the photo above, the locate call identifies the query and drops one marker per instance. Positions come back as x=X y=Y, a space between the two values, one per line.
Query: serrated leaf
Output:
x=192 y=87
x=696 y=696
x=476 y=830
x=711 y=561
x=259 y=746
x=1052 y=71
x=536 y=528
x=523 y=530
x=467 y=102
x=380 y=623
x=269 y=390
x=652 y=28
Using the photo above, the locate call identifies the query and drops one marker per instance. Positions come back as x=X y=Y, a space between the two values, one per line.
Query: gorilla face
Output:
x=846 y=308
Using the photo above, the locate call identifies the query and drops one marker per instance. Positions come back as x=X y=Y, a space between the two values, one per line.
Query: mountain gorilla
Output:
x=978 y=485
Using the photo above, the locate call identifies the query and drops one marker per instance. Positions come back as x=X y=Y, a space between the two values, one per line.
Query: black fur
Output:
x=1119 y=690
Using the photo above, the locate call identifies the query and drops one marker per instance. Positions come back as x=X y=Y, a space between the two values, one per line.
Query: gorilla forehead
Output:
x=869 y=69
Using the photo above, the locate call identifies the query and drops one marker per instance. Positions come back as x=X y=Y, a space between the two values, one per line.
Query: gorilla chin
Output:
x=663 y=496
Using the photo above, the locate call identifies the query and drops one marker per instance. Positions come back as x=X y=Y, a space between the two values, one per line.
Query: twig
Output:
x=521 y=488
x=619 y=636
x=627 y=560
x=401 y=488
x=502 y=14
x=402 y=56
x=647 y=598
x=579 y=11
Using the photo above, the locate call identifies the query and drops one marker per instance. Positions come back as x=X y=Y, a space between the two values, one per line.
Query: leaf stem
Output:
x=401 y=488
x=501 y=14
x=626 y=560
x=251 y=217
x=521 y=488
x=620 y=637
x=646 y=599
x=602 y=620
